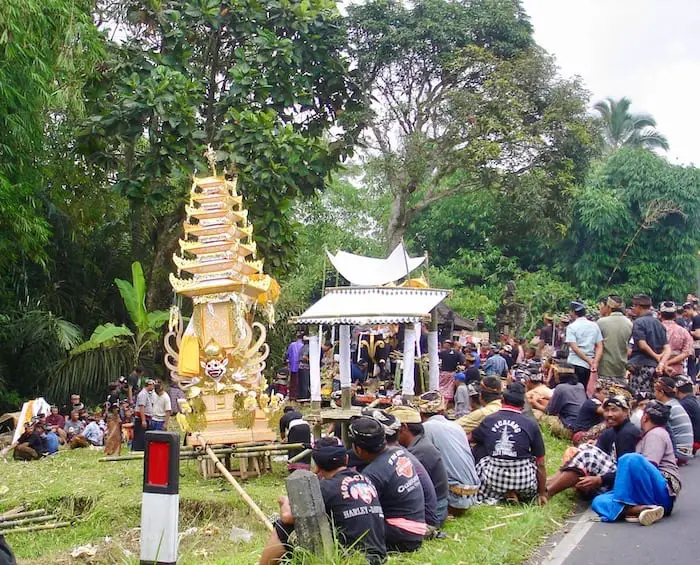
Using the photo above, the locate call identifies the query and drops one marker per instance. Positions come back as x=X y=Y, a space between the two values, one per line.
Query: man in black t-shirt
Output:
x=650 y=349
x=511 y=451
x=294 y=429
x=397 y=483
x=689 y=402
x=351 y=503
x=592 y=469
x=590 y=422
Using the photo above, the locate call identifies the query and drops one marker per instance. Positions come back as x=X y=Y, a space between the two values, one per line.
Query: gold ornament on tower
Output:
x=219 y=358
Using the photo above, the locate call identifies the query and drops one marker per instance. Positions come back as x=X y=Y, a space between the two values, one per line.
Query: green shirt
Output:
x=617 y=331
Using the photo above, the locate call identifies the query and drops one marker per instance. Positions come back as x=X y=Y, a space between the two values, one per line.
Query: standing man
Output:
x=135 y=383
x=495 y=363
x=650 y=350
x=449 y=359
x=680 y=341
x=616 y=330
x=687 y=320
x=142 y=415
x=547 y=333
x=585 y=344
x=162 y=408
x=293 y=358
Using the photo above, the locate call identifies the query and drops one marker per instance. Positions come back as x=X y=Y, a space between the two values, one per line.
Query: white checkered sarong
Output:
x=500 y=476
x=591 y=461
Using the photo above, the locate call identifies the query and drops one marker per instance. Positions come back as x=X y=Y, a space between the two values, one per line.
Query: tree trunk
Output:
x=398 y=221
x=169 y=231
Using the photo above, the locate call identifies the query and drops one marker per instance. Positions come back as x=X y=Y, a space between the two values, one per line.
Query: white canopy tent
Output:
x=370 y=271
x=346 y=306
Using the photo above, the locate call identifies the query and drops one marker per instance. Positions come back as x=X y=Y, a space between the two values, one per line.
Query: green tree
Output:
x=620 y=128
x=636 y=227
x=463 y=101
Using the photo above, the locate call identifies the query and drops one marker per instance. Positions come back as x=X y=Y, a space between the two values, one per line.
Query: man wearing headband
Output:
x=510 y=448
x=650 y=350
x=679 y=339
x=616 y=330
x=585 y=343
x=394 y=476
x=592 y=468
x=412 y=437
x=392 y=426
x=490 y=398
x=648 y=480
x=449 y=438
x=568 y=397
x=686 y=396
x=351 y=502
x=679 y=424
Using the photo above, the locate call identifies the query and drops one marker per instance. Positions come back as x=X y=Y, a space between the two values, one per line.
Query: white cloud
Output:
x=647 y=50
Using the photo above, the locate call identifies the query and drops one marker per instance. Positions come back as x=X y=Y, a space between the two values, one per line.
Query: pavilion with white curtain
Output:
x=368 y=302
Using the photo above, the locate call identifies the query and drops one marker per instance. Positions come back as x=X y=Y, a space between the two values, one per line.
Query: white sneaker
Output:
x=650 y=515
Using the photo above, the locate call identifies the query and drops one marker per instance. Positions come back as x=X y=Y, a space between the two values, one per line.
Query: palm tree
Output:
x=622 y=129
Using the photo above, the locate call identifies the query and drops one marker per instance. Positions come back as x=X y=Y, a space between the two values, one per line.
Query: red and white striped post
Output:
x=160 y=502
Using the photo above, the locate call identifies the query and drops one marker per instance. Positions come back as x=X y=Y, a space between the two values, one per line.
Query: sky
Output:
x=646 y=50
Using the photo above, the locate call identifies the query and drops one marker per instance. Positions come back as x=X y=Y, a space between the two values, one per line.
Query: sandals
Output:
x=648 y=516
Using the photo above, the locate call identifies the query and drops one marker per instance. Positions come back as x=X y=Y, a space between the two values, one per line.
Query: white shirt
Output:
x=161 y=404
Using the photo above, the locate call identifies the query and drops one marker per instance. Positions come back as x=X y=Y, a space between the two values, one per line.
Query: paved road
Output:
x=673 y=540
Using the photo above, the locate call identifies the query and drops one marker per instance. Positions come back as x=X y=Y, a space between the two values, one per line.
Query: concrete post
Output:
x=310 y=521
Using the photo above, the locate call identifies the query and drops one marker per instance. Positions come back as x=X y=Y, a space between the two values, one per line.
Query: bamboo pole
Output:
x=17 y=515
x=36 y=528
x=239 y=489
x=13 y=512
x=22 y=521
x=299 y=456
x=260 y=453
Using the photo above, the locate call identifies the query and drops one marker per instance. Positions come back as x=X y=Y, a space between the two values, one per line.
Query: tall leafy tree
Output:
x=463 y=101
x=620 y=128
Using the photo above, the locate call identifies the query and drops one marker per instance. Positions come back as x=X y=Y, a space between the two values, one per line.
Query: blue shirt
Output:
x=496 y=365
x=51 y=442
x=586 y=335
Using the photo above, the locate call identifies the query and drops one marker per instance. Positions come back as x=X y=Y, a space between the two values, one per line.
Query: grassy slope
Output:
x=107 y=498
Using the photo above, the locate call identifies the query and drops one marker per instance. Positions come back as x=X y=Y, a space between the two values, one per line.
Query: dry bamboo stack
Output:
x=19 y=520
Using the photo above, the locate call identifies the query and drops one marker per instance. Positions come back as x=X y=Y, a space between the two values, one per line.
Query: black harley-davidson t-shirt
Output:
x=353 y=505
x=400 y=493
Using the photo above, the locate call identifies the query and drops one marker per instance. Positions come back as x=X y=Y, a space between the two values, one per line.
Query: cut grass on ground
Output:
x=104 y=500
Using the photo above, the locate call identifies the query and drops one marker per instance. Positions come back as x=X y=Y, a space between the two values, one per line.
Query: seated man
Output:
x=74 y=427
x=351 y=502
x=592 y=467
x=679 y=424
x=392 y=425
x=412 y=437
x=453 y=445
x=490 y=396
x=511 y=466
x=567 y=399
x=538 y=394
x=397 y=483
x=647 y=482
x=56 y=422
x=590 y=421
x=689 y=402
x=294 y=429
x=31 y=444
x=93 y=432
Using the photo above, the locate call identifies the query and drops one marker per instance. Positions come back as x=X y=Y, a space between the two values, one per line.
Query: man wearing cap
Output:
x=351 y=502
x=647 y=481
x=585 y=343
x=449 y=360
x=457 y=456
x=490 y=398
x=394 y=476
x=142 y=415
x=616 y=330
x=462 y=407
x=679 y=339
x=679 y=424
x=592 y=468
x=650 y=350
x=689 y=402
x=510 y=448
x=412 y=436
x=495 y=363
x=392 y=425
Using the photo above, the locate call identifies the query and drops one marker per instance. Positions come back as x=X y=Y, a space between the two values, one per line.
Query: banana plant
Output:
x=112 y=349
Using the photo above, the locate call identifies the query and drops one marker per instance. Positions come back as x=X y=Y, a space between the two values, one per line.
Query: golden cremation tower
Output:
x=219 y=360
